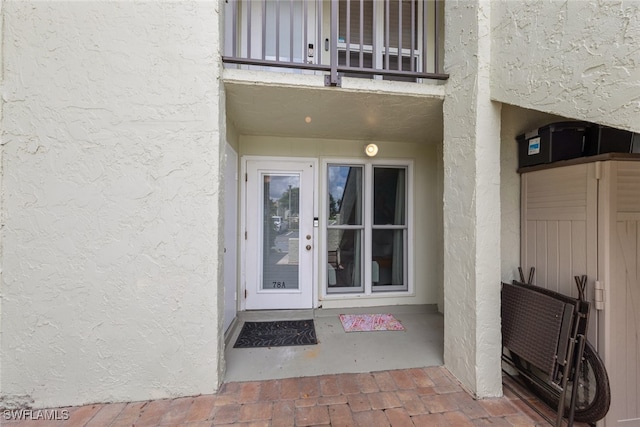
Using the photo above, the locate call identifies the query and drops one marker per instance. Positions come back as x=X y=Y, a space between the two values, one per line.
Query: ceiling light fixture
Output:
x=371 y=150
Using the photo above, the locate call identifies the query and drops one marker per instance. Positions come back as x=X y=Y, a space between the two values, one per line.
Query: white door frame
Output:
x=284 y=164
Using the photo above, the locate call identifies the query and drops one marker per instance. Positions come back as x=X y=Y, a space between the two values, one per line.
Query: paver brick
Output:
x=129 y=414
x=367 y=383
x=312 y=415
x=309 y=387
x=269 y=391
x=255 y=412
x=498 y=407
x=398 y=417
x=412 y=402
x=79 y=416
x=178 y=411
x=332 y=400
x=227 y=414
x=372 y=418
x=151 y=414
x=384 y=400
x=249 y=392
x=431 y=420
x=329 y=386
x=340 y=415
x=439 y=403
x=458 y=419
x=402 y=379
x=106 y=415
x=358 y=402
x=290 y=388
x=201 y=409
x=420 y=377
x=385 y=381
x=348 y=384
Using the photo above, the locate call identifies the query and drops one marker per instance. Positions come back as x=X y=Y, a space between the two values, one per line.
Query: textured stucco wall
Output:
x=471 y=187
x=111 y=231
x=577 y=59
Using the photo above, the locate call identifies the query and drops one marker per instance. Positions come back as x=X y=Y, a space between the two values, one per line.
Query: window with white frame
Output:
x=367 y=228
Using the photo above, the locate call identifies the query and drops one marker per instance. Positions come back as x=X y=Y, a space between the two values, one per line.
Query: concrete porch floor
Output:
x=419 y=345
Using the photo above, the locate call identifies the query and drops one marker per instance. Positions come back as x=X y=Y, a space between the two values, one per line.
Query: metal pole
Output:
x=334 y=44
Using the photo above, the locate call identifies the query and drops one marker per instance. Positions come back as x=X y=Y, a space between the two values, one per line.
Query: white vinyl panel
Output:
x=529 y=256
x=635 y=313
x=552 y=281
x=541 y=254
x=578 y=256
x=565 y=246
x=628 y=186
x=625 y=299
x=557 y=188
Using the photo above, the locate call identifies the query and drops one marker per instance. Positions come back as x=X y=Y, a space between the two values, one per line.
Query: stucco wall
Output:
x=471 y=191
x=110 y=193
x=427 y=204
x=577 y=59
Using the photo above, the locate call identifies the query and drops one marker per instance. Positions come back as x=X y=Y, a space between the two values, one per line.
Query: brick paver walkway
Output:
x=407 y=397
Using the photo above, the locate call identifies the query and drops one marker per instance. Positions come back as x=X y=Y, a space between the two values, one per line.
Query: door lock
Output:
x=308 y=247
x=308 y=236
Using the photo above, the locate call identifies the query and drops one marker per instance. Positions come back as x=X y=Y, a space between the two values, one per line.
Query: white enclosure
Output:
x=584 y=218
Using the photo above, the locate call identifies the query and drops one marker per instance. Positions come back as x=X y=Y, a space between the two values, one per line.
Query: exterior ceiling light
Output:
x=371 y=150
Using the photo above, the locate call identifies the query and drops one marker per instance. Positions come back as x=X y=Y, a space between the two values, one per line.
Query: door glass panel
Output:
x=280 y=243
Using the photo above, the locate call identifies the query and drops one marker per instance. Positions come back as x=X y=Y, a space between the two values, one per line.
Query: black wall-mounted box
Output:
x=603 y=139
x=551 y=143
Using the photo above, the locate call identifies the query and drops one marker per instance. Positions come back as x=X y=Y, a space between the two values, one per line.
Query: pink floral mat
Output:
x=370 y=322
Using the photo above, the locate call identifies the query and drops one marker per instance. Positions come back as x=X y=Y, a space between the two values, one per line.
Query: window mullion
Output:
x=368 y=222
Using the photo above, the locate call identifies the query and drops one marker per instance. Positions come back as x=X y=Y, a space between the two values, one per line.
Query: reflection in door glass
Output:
x=280 y=243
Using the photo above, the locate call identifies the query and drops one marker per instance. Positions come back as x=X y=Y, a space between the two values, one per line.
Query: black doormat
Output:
x=276 y=334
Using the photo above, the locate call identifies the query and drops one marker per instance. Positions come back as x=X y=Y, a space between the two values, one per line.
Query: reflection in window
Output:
x=388 y=196
x=381 y=233
x=344 y=228
x=345 y=195
x=388 y=238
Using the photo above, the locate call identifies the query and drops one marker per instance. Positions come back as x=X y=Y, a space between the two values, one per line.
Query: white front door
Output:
x=279 y=240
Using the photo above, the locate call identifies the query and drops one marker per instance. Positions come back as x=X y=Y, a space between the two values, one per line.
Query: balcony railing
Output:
x=388 y=39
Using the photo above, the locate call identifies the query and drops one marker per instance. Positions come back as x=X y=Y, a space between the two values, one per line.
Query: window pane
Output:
x=389 y=196
x=343 y=258
x=345 y=195
x=387 y=268
x=280 y=206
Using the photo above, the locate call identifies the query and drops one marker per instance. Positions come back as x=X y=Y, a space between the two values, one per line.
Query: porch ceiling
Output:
x=359 y=110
